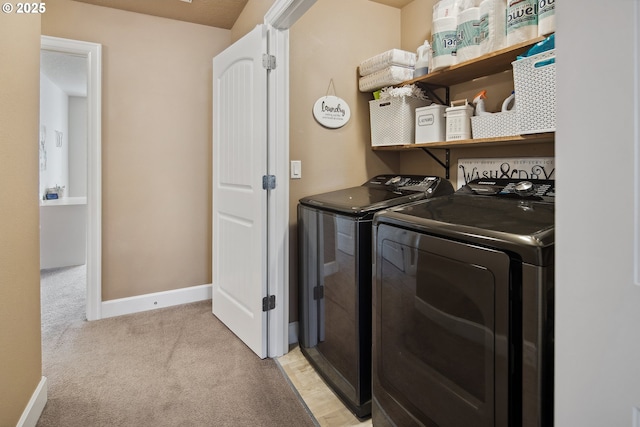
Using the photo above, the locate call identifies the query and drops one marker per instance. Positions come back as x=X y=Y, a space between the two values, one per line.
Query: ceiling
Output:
x=68 y=72
x=394 y=3
x=214 y=13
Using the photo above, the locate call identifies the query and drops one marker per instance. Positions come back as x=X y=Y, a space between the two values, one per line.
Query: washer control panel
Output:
x=403 y=182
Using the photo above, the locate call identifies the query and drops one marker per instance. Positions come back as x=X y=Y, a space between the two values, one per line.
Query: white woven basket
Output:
x=535 y=89
x=393 y=120
x=494 y=125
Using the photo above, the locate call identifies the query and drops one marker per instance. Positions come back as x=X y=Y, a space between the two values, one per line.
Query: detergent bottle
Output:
x=423 y=61
x=478 y=101
x=509 y=103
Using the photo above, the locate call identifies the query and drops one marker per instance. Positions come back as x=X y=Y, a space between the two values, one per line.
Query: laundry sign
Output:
x=331 y=112
x=507 y=168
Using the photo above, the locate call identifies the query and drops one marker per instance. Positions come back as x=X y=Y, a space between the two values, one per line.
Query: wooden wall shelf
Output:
x=479 y=142
x=486 y=65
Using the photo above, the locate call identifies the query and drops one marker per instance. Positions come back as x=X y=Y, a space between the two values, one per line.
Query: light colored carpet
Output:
x=178 y=366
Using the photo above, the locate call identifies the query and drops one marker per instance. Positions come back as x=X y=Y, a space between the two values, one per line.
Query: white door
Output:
x=239 y=230
x=597 y=297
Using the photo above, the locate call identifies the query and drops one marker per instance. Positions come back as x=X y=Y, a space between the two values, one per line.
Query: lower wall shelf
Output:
x=466 y=143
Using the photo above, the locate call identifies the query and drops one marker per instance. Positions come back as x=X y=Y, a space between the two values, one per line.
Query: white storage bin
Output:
x=459 y=121
x=534 y=80
x=493 y=125
x=393 y=119
x=430 y=123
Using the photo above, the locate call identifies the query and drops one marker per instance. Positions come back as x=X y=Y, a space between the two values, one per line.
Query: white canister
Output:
x=458 y=119
x=430 y=124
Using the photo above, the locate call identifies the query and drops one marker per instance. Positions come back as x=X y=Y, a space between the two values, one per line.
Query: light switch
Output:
x=296 y=169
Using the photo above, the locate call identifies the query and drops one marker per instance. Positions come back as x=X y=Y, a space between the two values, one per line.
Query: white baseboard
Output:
x=293 y=333
x=32 y=412
x=140 y=303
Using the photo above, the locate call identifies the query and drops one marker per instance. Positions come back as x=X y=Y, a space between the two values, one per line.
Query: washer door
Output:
x=441 y=330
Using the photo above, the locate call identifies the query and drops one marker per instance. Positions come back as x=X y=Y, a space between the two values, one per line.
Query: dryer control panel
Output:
x=538 y=189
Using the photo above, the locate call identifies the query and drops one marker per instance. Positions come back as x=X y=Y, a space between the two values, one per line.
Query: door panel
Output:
x=239 y=202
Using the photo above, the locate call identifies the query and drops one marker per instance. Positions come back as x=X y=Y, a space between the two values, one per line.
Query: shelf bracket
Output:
x=430 y=90
x=445 y=164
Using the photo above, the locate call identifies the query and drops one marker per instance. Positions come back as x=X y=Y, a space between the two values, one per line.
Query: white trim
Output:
x=32 y=412
x=93 y=53
x=293 y=333
x=140 y=303
x=278 y=207
x=284 y=13
x=636 y=142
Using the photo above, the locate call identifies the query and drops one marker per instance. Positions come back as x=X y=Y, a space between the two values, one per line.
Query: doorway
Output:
x=88 y=55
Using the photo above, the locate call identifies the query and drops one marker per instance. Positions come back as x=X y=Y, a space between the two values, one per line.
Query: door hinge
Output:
x=269 y=61
x=268 y=182
x=269 y=303
x=318 y=292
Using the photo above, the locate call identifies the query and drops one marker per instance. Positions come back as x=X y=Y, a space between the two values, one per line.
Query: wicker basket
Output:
x=393 y=120
x=534 y=80
x=495 y=125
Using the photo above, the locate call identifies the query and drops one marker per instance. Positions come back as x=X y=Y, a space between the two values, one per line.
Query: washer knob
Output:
x=525 y=188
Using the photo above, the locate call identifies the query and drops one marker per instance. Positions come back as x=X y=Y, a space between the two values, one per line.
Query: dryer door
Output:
x=441 y=320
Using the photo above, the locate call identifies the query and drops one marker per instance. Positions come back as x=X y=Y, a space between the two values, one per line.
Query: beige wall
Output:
x=156 y=144
x=20 y=354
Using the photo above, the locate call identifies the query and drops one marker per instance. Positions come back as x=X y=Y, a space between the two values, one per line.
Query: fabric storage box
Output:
x=458 y=121
x=534 y=80
x=494 y=125
x=393 y=57
x=430 y=123
x=393 y=120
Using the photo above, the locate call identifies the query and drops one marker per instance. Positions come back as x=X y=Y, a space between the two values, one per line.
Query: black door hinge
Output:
x=268 y=182
x=268 y=303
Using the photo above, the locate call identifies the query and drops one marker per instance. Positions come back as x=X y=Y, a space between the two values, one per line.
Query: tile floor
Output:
x=325 y=406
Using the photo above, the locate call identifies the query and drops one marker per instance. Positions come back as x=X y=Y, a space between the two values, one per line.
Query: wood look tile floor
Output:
x=326 y=407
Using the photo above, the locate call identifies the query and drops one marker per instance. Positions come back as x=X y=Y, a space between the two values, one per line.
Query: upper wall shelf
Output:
x=486 y=65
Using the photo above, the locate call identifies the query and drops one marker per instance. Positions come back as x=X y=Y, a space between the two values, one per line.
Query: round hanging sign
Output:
x=331 y=112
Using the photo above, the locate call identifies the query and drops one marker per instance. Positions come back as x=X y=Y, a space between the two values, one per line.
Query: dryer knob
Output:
x=525 y=188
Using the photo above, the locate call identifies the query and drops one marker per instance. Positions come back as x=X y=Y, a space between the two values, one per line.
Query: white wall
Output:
x=77 y=146
x=54 y=114
x=597 y=302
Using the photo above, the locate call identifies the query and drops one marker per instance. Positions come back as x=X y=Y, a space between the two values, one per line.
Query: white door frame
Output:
x=279 y=18
x=93 y=53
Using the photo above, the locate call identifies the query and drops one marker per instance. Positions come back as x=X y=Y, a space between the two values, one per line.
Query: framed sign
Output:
x=331 y=112
x=521 y=168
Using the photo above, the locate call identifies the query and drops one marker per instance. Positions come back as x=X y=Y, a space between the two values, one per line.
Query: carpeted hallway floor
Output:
x=178 y=366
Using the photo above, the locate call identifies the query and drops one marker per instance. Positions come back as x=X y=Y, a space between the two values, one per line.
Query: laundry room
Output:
x=158 y=208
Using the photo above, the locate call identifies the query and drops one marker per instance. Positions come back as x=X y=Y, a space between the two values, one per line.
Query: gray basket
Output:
x=535 y=88
x=393 y=120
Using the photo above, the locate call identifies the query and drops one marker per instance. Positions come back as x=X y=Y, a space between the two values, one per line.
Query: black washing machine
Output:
x=335 y=253
x=463 y=308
